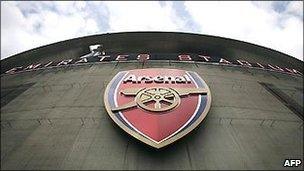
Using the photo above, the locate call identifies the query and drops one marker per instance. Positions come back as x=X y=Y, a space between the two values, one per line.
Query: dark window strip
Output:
x=285 y=99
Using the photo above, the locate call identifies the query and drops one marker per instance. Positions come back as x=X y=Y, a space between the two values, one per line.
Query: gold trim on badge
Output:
x=169 y=140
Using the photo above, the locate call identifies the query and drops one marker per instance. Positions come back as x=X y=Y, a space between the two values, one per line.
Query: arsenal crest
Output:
x=157 y=106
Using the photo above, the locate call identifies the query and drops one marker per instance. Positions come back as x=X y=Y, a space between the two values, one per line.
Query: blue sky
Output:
x=274 y=24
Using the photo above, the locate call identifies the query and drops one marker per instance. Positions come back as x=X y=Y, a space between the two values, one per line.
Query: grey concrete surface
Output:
x=60 y=122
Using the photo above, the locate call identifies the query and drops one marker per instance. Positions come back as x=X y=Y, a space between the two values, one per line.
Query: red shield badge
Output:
x=157 y=106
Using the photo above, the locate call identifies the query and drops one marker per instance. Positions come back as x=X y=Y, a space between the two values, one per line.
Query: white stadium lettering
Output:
x=142 y=57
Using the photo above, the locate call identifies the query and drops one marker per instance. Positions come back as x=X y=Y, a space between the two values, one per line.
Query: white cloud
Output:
x=140 y=16
x=15 y=32
x=20 y=32
x=255 y=23
x=295 y=7
x=26 y=25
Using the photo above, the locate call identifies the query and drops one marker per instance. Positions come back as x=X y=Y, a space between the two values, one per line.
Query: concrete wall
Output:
x=56 y=120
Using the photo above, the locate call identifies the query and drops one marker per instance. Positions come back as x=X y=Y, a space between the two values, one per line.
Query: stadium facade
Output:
x=53 y=112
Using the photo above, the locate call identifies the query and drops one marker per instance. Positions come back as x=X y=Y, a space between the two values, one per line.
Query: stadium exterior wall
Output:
x=53 y=117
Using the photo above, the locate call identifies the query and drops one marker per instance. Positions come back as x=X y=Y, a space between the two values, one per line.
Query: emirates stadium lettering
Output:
x=97 y=57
